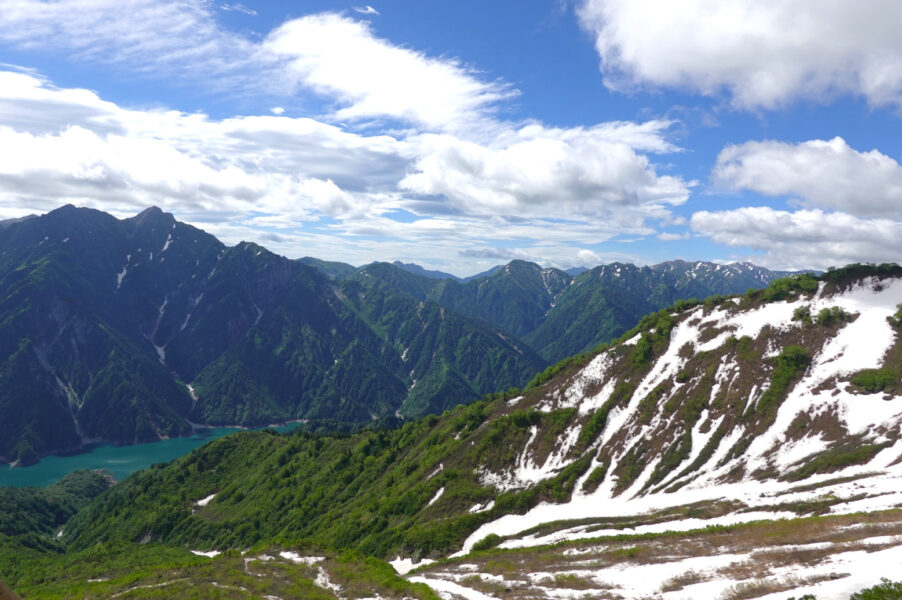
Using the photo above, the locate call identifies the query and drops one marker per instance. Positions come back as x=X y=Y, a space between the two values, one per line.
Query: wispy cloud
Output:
x=238 y=8
x=366 y=10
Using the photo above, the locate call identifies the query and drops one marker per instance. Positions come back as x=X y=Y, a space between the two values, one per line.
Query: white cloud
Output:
x=803 y=238
x=277 y=110
x=825 y=174
x=593 y=173
x=673 y=237
x=65 y=145
x=238 y=8
x=339 y=57
x=372 y=78
x=764 y=53
x=366 y=10
x=177 y=38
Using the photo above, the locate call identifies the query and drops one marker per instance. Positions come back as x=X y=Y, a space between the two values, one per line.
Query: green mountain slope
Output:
x=130 y=330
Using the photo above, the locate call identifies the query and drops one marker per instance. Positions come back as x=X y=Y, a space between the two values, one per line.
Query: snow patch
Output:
x=120 y=276
x=301 y=560
x=405 y=565
x=437 y=495
x=449 y=589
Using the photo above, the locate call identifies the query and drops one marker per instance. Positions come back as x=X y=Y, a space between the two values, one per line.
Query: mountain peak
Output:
x=153 y=215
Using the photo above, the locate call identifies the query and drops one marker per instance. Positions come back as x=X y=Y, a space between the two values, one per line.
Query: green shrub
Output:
x=875 y=380
x=802 y=314
x=790 y=365
x=831 y=316
x=489 y=541
x=886 y=590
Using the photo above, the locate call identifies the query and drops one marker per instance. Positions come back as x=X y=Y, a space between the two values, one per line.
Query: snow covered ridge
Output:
x=720 y=410
x=702 y=434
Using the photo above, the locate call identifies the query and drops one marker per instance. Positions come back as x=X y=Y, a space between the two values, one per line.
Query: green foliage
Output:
x=886 y=590
x=572 y=362
x=802 y=314
x=831 y=316
x=876 y=380
x=782 y=289
x=896 y=319
x=489 y=541
x=858 y=271
x=595 y=478
x=154 y=571
x=789 y=366
x=595 y=423
x=837 y=458
x=641 y=355
x=33 y=515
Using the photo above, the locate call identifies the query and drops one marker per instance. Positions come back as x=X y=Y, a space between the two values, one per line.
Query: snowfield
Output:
x=822 y=412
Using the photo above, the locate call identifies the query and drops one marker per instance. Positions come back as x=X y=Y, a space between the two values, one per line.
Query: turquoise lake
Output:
x=120 y=461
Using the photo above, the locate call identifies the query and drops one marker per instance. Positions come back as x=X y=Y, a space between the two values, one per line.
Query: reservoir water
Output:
x=120 y=461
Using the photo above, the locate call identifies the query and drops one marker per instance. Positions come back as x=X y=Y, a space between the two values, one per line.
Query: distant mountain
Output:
x=418 y=270
x=331 y=269
x=516 y=298
x=129 y=331
x=574 y=271
x=603 y=302
x=559 y=315
x=485 y=273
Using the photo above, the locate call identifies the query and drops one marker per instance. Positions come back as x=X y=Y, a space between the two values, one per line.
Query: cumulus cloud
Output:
x=536 y=171
x=65 y=145
x=825 y=174
x=803 y=238
x=370 y=77
x=763 y=54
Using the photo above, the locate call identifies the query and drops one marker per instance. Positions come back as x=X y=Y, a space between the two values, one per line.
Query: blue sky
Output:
x=459 y=135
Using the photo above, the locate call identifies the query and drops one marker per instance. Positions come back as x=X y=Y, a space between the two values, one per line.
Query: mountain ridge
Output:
x=106 y=321
x=136 y=329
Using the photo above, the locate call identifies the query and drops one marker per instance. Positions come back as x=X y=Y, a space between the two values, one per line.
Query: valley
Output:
x=117 y=461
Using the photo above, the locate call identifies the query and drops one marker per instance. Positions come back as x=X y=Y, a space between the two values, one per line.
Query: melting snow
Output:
x=202 y=501
x=301 y=560
x=449 y=589
x=438 y=495
x=405 y=565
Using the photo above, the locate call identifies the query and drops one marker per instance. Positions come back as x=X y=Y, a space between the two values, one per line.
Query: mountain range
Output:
x=738 y=447
x=138 y=329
